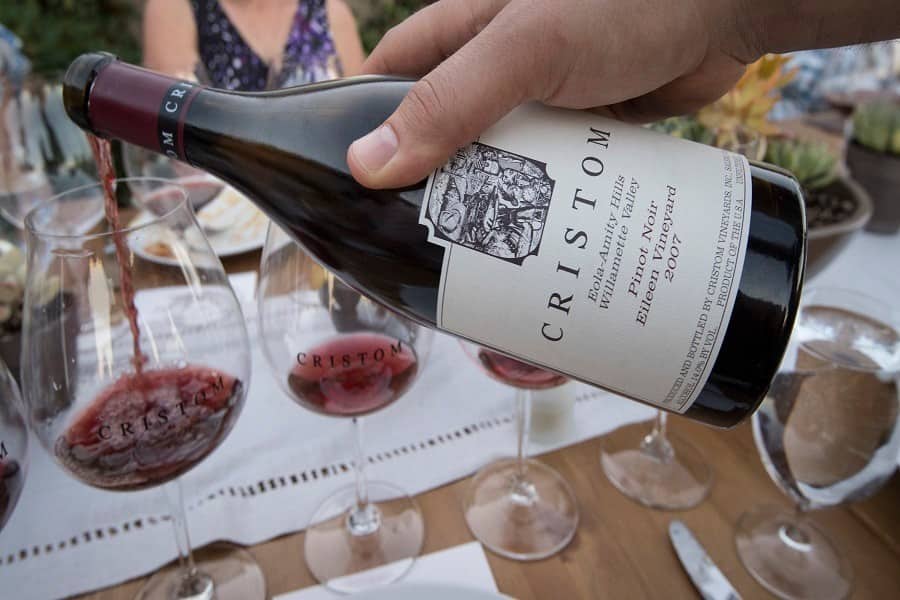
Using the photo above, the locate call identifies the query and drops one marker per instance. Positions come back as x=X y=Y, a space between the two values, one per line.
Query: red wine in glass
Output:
x=11 y=483
x=146 y=429
x=518 y=374
x=353 y=374
x=106 y=170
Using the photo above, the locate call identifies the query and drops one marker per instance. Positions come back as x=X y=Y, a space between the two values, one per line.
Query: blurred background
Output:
x=831 y=117
x=55 y=31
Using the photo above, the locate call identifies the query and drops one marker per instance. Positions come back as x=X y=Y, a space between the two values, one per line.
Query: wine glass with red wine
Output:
x=123 y=390
x=13 y=445
x=337 y=353
x=518 y=507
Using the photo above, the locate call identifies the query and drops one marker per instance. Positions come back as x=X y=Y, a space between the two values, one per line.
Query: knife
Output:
x=707 y=577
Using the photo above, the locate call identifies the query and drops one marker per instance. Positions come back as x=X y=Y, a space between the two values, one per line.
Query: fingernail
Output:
x=376 y=148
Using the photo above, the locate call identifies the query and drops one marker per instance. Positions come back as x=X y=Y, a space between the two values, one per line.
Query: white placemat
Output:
x=464 y=565
x=281 y=460
x=269 y=475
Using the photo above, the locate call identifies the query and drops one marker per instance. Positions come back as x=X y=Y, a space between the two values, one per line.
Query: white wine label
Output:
x=595 y=248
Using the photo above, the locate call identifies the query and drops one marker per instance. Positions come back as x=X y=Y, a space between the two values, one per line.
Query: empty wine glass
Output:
x=145 y=169
x=337 y=353
x=518 y=507
x=13 y=445
x=124 y=412
x=827 y=434
x=659 y=469
x=42 y=152
x=741 y=140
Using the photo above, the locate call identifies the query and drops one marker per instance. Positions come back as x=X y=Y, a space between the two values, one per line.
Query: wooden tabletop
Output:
x=622 y=549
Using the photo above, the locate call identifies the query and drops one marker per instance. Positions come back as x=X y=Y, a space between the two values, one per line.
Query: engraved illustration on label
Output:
x=492 y=201
x=641 y=250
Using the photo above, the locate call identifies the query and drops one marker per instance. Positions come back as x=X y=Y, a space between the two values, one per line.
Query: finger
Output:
x=450 y=107
x=445 y=110
x=428 y=37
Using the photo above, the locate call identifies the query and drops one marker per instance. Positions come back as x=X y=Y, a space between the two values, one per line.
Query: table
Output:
x=621 y=549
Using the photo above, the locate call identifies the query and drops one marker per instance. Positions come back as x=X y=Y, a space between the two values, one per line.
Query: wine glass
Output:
x=338 y=353
x=518 y=507
x=146 y=169
x=827 y=433
x=42 y=152
x=13 y=445
x=742 y=140
x=122 y=412
x=661 y=471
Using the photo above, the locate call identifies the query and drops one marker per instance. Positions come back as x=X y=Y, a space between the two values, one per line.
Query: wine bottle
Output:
x=666 y=271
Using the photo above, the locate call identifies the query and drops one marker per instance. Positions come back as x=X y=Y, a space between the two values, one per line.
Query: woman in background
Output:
x=252 y=45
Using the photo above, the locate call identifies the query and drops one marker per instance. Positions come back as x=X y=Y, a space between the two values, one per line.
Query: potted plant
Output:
x=873 y=157
x=836 y=206
x=739 y=120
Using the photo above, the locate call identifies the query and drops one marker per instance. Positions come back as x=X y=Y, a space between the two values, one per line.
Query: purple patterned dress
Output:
x=230 y=63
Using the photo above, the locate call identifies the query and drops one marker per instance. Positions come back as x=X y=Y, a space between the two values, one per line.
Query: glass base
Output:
x=674 y=480
x=791 y=557
x=390 y=535
x=522 y=520
x=224 y=572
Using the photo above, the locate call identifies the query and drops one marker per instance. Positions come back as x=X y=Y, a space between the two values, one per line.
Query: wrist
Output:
x=776 y=26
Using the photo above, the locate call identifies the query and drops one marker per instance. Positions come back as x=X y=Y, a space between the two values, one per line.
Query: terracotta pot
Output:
x=825 y=242
x=879 y=174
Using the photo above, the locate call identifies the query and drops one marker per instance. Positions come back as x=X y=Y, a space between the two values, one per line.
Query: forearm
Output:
x=787 y=25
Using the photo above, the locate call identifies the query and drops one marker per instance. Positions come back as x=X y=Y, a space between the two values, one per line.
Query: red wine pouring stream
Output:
x=106 y=171
x=664 y=270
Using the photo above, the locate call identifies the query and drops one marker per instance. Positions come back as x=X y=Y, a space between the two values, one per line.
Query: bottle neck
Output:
x=141 y=107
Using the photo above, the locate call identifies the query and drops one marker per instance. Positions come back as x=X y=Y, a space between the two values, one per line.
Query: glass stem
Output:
x=793 y=532
x=522 y=491
x=175 y=499
x=523 y=424
x=359 y=466
x=659 y=427
x=655 y=443
x=193 y=584
x=364 y=517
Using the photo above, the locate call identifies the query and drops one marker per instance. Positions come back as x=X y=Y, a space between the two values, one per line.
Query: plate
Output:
x=232 y=223
x=429 y=591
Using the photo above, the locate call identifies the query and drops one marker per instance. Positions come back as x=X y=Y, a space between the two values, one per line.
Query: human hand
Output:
x=479 y=59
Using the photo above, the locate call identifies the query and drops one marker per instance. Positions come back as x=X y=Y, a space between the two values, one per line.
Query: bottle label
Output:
x=599 y=249
x=170 y=123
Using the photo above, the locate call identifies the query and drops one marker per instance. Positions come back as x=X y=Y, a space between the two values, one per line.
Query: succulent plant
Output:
x=687 y=128
x=813 y=164
x=747 y=105
x=12 y=287
x=876 y=126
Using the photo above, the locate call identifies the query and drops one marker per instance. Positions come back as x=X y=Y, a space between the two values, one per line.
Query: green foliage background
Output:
x=377 y=16
x=54 y=32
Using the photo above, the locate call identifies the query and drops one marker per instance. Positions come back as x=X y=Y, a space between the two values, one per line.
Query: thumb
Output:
x=447 y=109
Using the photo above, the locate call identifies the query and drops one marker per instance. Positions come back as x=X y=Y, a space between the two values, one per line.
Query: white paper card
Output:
x=464 y=565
